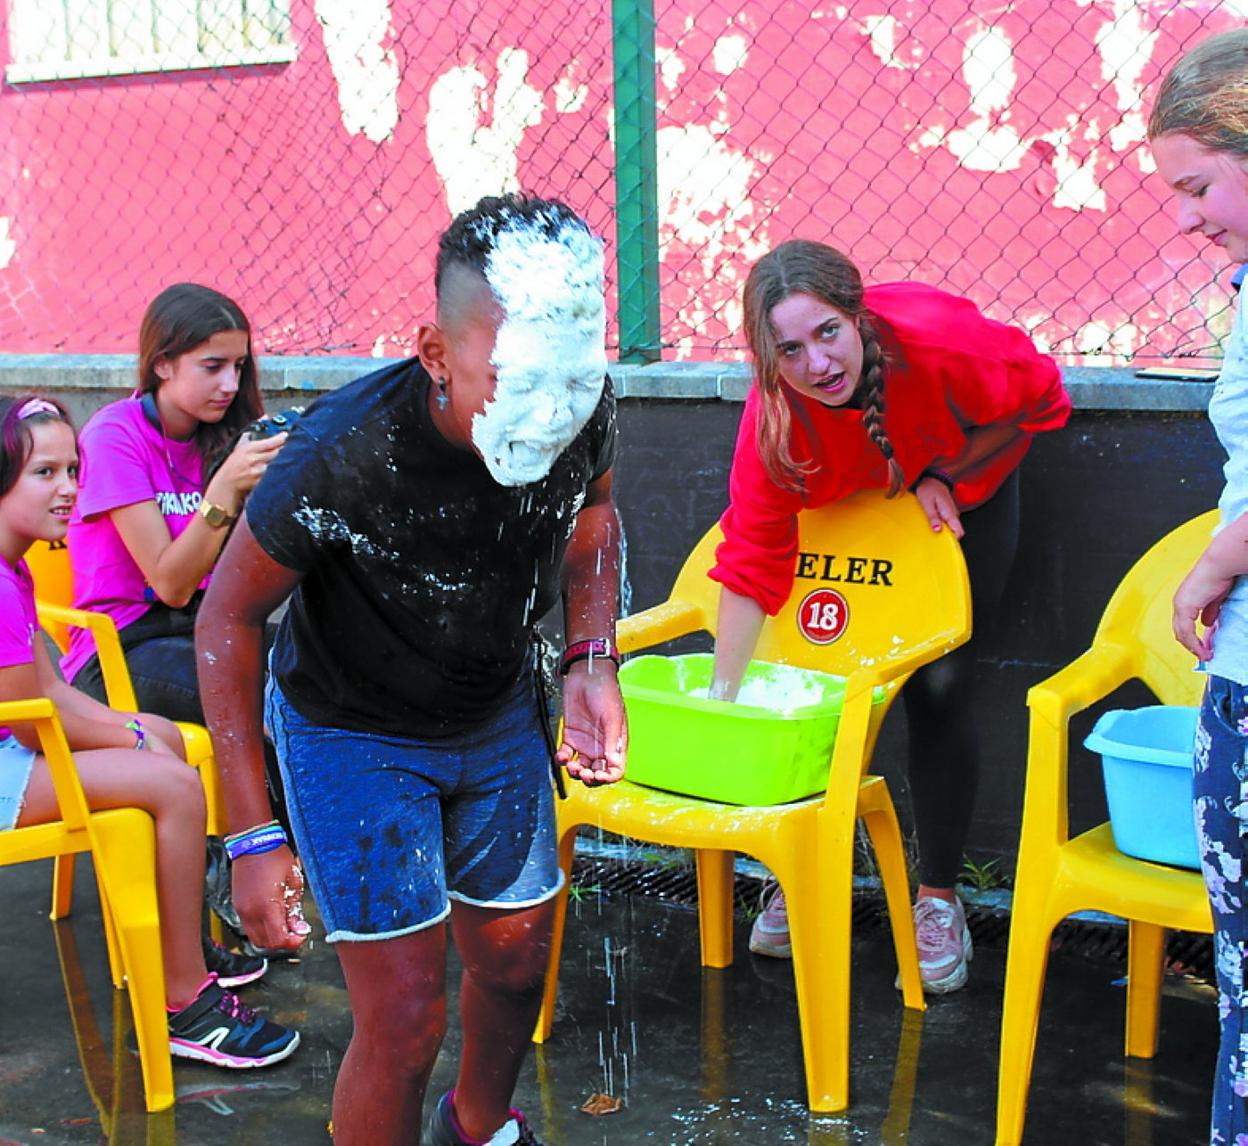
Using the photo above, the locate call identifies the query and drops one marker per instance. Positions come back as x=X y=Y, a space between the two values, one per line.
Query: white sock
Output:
x=506 y=1135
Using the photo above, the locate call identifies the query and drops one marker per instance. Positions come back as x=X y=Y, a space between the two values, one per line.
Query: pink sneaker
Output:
x=944 y=943
x=770 y=933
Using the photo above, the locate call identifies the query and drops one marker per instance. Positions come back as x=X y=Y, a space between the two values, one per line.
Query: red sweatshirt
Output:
x=949 y=369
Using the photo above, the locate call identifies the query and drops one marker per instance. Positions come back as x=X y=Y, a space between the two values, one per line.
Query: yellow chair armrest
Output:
x=661 y=623
x=113 y=668
x=1087 y=679
x=1093 y=676
x=41 y=712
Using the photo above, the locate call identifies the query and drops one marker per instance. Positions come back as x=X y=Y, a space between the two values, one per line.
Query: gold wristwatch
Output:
x=215 y=515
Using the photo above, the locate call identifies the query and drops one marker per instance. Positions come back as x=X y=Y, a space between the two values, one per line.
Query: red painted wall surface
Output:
x=849 y=124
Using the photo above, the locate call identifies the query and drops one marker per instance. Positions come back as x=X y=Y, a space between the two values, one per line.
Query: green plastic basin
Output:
x=772 y=746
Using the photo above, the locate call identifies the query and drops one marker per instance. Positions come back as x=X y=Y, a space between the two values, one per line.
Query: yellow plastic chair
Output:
x=122 y=843
x=1058 y=875
x=906 y=598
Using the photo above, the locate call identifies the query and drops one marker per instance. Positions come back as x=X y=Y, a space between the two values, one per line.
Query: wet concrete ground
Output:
x=699 y=1057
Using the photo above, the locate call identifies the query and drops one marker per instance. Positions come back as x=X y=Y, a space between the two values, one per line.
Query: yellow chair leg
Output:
x=546 y=1017
x=62 y=886
x=1146 y=948
x=126 y=863
x=715 y=872
x=819 y=897
x=1028 y=960
x=879 y=815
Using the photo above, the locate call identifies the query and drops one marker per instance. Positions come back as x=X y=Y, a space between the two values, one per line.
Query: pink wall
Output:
x=872 y=129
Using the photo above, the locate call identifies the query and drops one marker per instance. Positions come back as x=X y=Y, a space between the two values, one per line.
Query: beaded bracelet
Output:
x=140 y=734
x=255 y=841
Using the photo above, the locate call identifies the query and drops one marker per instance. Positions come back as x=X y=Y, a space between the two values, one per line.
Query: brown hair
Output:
x=181 y=318
x=18 y=415
x=800 y=266
x=1205 y=95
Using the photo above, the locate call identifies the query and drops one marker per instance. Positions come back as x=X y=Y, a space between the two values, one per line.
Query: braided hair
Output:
x=801 y=266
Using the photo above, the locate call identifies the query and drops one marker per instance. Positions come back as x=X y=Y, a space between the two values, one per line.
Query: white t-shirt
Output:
x=1228 y=411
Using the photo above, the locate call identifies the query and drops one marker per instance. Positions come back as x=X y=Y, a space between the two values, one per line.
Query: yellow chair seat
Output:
x=896 y=624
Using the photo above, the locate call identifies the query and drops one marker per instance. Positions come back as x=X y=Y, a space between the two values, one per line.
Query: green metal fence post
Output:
x=636 y=180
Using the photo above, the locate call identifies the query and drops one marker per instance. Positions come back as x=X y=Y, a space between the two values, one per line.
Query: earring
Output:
x=443 y=398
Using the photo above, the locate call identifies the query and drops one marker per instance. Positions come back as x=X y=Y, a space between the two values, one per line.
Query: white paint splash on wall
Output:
x=569 y=96
x=367 y=74
x=1125 y=49
x=8 y=248
x=671 y=67
x=986 y=143
x=882 y=31
x=730 y=53
x=474 y=138
x=704 y=199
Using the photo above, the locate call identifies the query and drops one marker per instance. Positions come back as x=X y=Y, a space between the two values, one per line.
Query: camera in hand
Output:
x=261 y=428
x=270 y=424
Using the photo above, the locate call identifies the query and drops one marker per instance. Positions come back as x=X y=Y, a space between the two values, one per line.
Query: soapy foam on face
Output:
x=549 y=354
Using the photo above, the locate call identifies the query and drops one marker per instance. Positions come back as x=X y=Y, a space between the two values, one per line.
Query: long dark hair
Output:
x=800 y=266
x=181 y=318
x=17 y=417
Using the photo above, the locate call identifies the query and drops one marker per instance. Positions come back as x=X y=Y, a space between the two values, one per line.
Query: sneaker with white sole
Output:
x=218 y=1029
x=444 y=1129
x=944 y=943
x=232 y=968
x=770 y=933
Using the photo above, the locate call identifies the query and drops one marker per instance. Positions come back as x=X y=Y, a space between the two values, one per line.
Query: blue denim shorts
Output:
x=16 y=764
x=390 y=829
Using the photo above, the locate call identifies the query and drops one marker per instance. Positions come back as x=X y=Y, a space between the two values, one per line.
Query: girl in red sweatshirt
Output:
x=897 y=386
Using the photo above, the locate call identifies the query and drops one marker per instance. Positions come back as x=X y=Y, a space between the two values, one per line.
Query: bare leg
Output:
x=504 y=954
x=171 y=793
x=397 y=989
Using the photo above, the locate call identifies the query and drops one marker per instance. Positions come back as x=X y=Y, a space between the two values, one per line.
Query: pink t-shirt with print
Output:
x=124 y=459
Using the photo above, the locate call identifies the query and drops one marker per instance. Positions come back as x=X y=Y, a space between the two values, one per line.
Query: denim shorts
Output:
x=390 y=829
x=16 y=763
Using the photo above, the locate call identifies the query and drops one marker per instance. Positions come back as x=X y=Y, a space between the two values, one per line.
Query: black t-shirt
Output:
x=423 y=577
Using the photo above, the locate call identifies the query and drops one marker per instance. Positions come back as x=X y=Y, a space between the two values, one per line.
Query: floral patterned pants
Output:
x=1220 y=800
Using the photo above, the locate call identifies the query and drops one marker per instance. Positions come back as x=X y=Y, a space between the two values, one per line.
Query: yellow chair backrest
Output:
x=873 y=583
x=1138 y=616
x=54 y=583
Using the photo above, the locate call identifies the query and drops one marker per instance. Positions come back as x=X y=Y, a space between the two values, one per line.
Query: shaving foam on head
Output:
x=549 y=353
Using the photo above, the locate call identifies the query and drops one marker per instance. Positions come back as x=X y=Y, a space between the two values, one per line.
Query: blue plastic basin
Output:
x=1146 y=758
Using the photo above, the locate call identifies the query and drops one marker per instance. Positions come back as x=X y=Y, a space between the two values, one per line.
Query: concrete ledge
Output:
x=1091 y=387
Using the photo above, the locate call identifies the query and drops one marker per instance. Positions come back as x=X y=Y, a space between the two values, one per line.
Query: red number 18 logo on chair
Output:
x=822 y=616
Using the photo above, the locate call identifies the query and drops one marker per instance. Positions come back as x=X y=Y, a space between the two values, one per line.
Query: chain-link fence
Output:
x=303 y=155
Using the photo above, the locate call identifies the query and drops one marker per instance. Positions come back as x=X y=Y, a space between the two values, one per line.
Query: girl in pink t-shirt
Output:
x=123 y=759
x=149 y=525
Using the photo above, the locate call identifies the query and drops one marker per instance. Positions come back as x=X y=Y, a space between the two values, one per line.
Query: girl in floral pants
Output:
x=1199 y=135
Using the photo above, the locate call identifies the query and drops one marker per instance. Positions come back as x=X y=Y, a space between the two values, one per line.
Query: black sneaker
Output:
x=217 y=1028
x=444 y=1129
x=231 y=968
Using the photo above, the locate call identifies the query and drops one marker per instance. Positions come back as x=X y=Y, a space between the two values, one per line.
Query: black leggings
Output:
x=940 y=699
